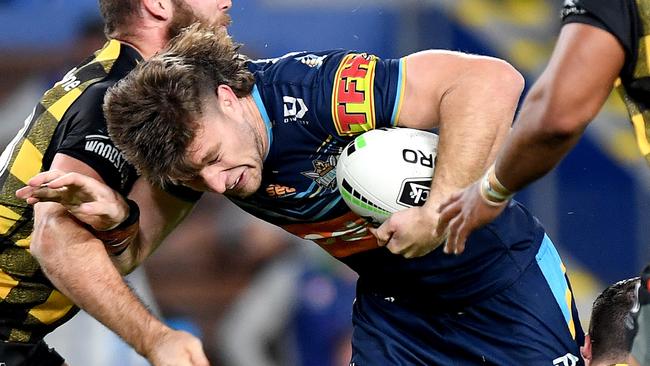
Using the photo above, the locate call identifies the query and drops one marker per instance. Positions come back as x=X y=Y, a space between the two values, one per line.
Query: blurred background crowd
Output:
x=259 y=297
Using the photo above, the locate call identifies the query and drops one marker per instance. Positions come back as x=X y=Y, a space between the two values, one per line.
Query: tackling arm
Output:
x=568 y=95
x=78 y=265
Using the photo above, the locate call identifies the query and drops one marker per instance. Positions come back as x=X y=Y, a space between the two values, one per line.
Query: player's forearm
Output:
x=475 y=117
x=529 y=154
x=82 y=270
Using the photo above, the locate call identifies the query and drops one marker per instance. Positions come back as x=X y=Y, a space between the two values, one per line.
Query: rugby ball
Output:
x=386 y=170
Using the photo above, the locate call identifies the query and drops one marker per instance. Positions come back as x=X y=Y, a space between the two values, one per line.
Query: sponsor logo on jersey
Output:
x=324 y=173
x=102 y=146
x=278 y=191
x=294 y=109
x=353 y=109
x=572 y=7
x=566 y=360
x=312 y=60
x=414 y=192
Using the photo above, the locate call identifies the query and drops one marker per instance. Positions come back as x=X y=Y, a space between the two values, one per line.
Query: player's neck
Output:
x=254 y=115
x=147 y=40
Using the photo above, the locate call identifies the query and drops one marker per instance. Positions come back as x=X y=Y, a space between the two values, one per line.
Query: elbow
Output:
x=546 y=113
x=501 y=78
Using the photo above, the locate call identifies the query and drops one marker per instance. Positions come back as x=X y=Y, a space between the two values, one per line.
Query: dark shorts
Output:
x=28 y=354
x=532 y=322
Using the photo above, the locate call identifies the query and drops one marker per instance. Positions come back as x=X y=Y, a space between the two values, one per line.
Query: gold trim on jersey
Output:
x=23 y=288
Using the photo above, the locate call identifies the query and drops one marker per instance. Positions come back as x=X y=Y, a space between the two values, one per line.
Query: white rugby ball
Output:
x=386 y=170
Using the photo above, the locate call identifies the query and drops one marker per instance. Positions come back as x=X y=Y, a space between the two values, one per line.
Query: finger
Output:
x=460 y=244
x=45 y=177
x=47 y=194
x=445 y=216
x=450 y=244
x=452 y=199
x=394 y=247
x=32 y=201
x=382 y=233
x=25 y=192
x=70 y=179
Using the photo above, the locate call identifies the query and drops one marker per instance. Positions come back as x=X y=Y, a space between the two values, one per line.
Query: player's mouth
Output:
x=237 y=183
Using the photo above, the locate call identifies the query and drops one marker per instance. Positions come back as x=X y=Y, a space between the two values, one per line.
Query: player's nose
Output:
x=225 y=5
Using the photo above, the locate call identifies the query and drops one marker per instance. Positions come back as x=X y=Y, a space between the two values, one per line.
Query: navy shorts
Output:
x=532 y=322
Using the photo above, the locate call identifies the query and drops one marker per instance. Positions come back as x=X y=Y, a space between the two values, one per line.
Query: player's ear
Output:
x=585 y=350
x=227 y=98
x=159 y=9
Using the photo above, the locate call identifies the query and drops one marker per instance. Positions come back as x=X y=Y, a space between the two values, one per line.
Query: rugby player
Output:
x=602 y=45
x=67 y=131
x=609 y=340
x=201 y=115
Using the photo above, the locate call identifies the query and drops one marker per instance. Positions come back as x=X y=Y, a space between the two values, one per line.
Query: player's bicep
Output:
x=432 y=74
x=69 y=164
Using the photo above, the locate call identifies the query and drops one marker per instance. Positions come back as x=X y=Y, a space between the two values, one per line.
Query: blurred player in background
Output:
x=67 y=131
x=602 y=45
x=267 y=135
x=609 y=340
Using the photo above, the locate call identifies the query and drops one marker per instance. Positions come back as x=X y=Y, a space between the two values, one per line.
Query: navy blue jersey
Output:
x=314 y=104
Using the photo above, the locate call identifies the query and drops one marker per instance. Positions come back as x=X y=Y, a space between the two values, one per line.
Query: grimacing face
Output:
x=229 y=152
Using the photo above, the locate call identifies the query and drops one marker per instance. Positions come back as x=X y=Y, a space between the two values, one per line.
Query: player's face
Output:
x=229 y=152
x=187 y=12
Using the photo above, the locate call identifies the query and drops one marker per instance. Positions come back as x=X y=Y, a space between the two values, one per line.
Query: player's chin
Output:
x=251 y=186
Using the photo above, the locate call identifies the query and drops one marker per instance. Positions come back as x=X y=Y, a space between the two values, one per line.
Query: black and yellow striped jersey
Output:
x=68 y=120
x=629 y=22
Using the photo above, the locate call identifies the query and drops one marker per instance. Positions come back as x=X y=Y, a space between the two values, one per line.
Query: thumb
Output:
x=382 y=233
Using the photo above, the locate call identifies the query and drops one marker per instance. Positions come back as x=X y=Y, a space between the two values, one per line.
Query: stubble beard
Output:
x=184 y=16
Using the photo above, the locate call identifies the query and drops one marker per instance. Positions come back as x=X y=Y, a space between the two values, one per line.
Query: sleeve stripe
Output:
x=399 y=96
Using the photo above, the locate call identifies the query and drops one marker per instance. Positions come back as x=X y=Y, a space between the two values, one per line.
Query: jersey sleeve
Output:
x=617 y=17
x=83 y=135
x=365 y=93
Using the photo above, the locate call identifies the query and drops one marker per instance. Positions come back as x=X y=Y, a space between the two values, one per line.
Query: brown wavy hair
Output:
x=153 y=113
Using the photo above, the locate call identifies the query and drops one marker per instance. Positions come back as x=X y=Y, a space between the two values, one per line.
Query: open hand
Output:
x=88 y=199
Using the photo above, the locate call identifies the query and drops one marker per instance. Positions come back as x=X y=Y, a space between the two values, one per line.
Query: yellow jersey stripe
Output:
x=59 y=108
x=639 y=130
x=572 y=327
x=24 y=243
x=53 y=309
x=28 y=163
x=7 y=219
x=6 y=284
x=109 y=53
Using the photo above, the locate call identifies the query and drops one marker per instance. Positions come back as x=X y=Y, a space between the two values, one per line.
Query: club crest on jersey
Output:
x=414 y=192
x=324 y=173
x=353 y=109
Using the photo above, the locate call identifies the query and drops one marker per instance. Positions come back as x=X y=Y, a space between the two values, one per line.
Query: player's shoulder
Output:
x=89 y=81
x=296 y=66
